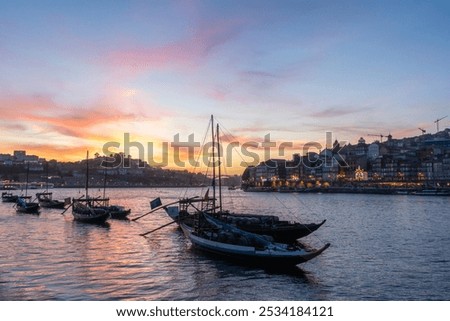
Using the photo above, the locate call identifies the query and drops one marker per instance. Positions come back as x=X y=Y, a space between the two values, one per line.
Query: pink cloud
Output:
x=186 y=52
x=217 y=94
x=338 y=112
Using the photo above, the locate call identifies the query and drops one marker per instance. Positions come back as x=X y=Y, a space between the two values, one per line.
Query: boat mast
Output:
x=220 y=176
x=46 y=186
x=87 y=174
x=104 y=183
x=214 y=164
x=28 y=173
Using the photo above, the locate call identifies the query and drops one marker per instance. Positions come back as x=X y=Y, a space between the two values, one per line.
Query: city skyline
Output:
x=76 y=75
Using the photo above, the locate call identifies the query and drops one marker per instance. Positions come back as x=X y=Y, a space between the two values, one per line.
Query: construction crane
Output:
x=437 y=123
x=377 y=135
x=422 y=130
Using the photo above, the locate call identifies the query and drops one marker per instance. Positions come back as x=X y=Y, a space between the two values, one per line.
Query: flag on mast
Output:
x=155 y=203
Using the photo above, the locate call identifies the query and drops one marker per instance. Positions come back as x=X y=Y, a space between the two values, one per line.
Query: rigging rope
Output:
x=197 y=159
x=273 y=193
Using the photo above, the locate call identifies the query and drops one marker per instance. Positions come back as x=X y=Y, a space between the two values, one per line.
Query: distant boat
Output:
x=34 y=186
x=23 y=205
x=85 y=209
x=116 y=211
x=8 y=197
x=6 y=185
x=431 y=192
x=45 y=200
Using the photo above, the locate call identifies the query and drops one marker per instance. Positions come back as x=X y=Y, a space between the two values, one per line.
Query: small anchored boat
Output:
x=117 y=212
x=8 y=197
x=46 y=200
x=85 y=209
x=24 y=206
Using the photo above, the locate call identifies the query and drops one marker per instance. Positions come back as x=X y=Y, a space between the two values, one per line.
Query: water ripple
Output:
x=383 y=248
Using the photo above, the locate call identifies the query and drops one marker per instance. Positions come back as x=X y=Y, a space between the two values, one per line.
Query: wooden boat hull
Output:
x=280 y=231
x=29 y=208
x=118 y=212
x=283 y=232
x=45 y=200
x=91 y=218
x=52 y=204
x=88 y=214
x=120 y=215
x=9 y=198
x=265 y=257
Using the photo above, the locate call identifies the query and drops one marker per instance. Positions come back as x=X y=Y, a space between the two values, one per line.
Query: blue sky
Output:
x=76 y=74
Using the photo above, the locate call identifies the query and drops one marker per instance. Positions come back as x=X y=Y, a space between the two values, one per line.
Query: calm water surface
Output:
x=384 y=247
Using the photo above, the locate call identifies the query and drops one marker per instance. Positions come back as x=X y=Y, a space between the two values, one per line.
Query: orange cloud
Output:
x=47 y=151
x=41 y=126
x=19 y=111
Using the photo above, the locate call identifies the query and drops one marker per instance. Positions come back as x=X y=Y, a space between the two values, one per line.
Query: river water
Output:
x=383 y=247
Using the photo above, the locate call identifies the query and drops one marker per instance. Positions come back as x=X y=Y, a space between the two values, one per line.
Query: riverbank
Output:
x=355 y=190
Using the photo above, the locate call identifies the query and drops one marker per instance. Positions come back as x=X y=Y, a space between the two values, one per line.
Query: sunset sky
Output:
x=75 y=75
